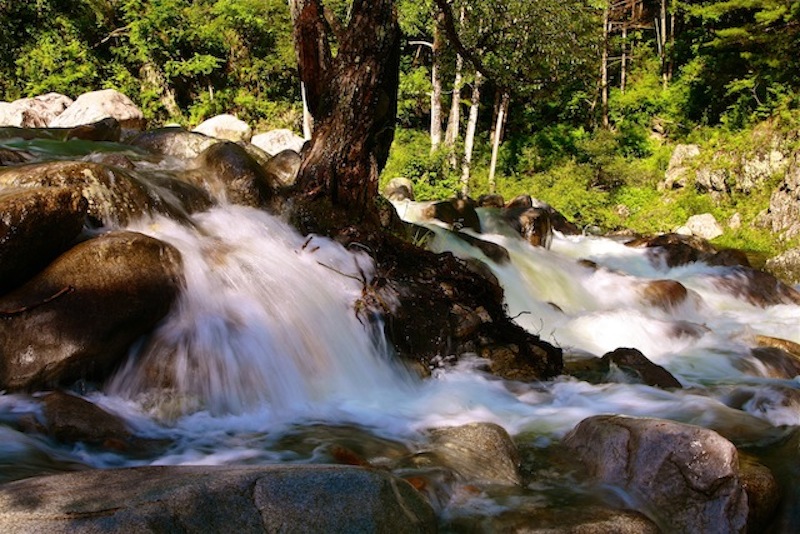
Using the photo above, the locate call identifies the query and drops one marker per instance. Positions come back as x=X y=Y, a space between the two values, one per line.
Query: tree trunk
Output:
x=498 y=133
x=623 y=69
x=436 y=94
x=604 y=73
x=454 y=120
x=308 y=120
x=469 y=138
x=353 y=99
x=662 y=41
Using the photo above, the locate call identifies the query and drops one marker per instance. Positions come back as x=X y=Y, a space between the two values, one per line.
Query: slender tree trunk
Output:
x=308 y=120
x=353 y=99
x=454 y=120
x=469 y=137
x=604 y=73
x=498 y=132
x=436 y=93
x=623 y=72
x=662 y=41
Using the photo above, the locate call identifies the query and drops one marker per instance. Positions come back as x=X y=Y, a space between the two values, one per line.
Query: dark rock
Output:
x=493 y=251
x=677 y=249
x=175 y=142
x=478 y=452
x=533 y=224
x=107 y=129
x=71 y=419
x=491 y=201
x=684 y=477
x=115 y=196
x=633 y=362
x=521 y=202
x=282 y=167
x=777 y=358
x=78 y=317
x=457 y=212
x=399 y=189
x=13 y=157
x=763 y=493
x=36 y=226
x=215 y=499
x=664 y=294
x=756 y=287
x=230 y=174
x=535 y=519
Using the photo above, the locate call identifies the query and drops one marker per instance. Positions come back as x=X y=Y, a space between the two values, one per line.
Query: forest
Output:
x=579 y=103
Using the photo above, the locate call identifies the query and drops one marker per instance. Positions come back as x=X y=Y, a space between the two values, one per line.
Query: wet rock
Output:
x=636 y=364
x=107 y=129
x=36 y=225
x=777 y=358
x=175 y=142
x=78 y=317
x=756 y=287
x=115 y=196
x=520 y=202
x=282 y=167
x=13 y=157
x=533 y=224
x=275 y=141
x=493 y=251
x=785 y=266
x=676 y=249
x=664 y=294
x=229 y=173
x=36 y=112
x=226 y=127
x=535 y=519
x=457 y=212
x=557 y=220
x=215 y=499
x=491 y=201
x=95 y=106
x=685 y=477
x=399 y=189
x=523 y=361
x=763 y=493
x=478 y=452
x=71 y=419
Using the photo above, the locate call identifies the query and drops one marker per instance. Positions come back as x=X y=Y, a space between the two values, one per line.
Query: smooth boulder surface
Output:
x=275 y=141
x=229 y=173
x=283 y=167
x=36 y=226
x=684 y=477
x=173 y=141
x=98 y=105
x=533 y=224
x=36 y=112
x=115 y=195
x=399 y=189
x=313 y=498
x=78 y=317
x=632 y=362
x=226 y=127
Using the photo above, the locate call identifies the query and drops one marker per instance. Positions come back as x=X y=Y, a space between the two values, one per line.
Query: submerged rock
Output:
x=71 y=419
x=37 y=225
x=78 y=317
x=309 y=498
x=636 y=364
x=115 y=196
x=685 y=477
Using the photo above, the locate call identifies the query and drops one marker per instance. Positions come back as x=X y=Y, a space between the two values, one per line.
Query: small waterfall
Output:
x=267 y=318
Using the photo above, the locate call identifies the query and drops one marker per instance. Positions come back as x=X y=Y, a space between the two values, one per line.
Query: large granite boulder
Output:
x=275 y=141
x=36 y=112
x=783 y=215
x=283 y=167
x=37 y=225
x=321 y=498
x=226 y=127
x=228 y=172
x=98 y=105
x=173 y=141
x=684 y=477
x=78 y=318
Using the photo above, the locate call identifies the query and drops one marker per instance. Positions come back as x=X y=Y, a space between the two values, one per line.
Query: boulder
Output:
x=283 y=167
x=307 y=498
x=478 y=452
x=115 y=195
x=684 y=477
x=78 y=318
x=763 y=493
x=785 y=266
x=664 y=294
x=230 y=174
x=37 y=225
x=457 y=212
x=72 y=419
x=275 y=141
x=173 y=141
x=98 y=105
x=491 y=201
x=399 y=189
x=107 y=129
x=756 y=287
x=678 y=168
x=225 y=127
x=533 y=224
x=10 y=156
x=675 y=249
x=783 y=215
x=557 y=221
x=704 y=226
x=633 y=363
x=37 y=112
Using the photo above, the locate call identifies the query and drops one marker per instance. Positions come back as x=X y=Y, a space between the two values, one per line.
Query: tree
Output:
x=353 y=99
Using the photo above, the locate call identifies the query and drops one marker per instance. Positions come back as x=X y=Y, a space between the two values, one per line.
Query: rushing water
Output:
x=264 y=359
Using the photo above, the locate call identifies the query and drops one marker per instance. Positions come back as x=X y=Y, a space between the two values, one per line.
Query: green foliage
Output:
x=430 y=173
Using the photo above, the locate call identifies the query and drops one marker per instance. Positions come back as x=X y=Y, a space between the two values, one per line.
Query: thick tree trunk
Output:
x=353 y=99
x=498 y=133
x=469 y=138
